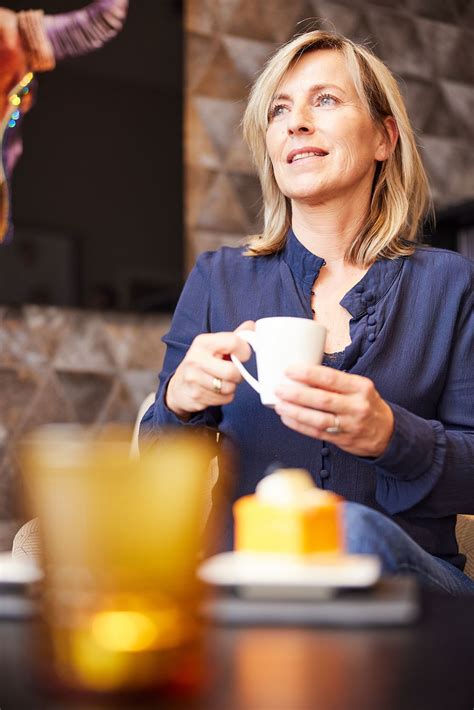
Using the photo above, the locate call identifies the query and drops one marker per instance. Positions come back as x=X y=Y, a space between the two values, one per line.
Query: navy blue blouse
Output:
x=411 y=333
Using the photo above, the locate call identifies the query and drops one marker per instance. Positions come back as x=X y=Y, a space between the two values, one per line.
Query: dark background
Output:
x=98 y=191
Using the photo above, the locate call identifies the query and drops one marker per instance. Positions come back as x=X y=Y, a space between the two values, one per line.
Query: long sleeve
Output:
x=428 y=466
x=191 y=318
x=81 y=31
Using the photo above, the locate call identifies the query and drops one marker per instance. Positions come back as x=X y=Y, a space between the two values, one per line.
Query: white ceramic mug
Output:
x=279 y=342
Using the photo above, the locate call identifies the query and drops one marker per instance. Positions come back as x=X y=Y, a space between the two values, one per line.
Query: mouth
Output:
x=306 y=152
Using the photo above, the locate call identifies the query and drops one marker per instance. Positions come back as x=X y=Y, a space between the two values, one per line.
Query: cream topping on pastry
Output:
x=288 y=486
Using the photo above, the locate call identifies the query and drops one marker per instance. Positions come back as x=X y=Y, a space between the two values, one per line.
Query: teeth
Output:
x=298 y=156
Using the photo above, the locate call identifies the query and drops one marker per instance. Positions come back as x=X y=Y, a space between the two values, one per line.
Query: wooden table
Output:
x=426 y=666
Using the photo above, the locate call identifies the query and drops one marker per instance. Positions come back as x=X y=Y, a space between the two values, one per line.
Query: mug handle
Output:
x=250 y=337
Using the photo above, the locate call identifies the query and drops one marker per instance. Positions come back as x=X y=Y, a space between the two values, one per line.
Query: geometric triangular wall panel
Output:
x=59 y=365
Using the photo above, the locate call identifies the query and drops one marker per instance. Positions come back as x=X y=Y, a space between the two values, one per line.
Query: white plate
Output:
x=279 y=572
x=15 y=572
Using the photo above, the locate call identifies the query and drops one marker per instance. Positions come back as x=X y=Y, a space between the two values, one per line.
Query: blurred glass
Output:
x=121 y=540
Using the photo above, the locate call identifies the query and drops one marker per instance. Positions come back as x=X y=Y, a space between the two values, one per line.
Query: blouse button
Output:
x=325 y=451
x=369 y=296
x=371 y=337
x=324 y=473
x=371 y=320
x=359 y=289
x=371 y=310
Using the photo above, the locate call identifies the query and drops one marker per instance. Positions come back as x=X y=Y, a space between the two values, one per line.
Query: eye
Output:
x=326 y=100
x=276 y=110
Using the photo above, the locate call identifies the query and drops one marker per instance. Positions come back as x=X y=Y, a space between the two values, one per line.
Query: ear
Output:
x=388 y=139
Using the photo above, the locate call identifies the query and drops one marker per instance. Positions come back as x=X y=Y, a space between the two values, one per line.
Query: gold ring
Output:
x=335 y=428
x=217 y=385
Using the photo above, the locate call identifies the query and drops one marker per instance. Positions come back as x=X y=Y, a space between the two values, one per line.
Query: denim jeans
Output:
x=370 y=532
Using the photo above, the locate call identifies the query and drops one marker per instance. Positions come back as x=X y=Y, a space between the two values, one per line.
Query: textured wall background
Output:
x=60 y=365
x=429 y=44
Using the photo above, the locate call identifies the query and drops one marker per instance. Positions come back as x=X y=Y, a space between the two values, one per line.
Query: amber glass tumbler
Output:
x=120 y=541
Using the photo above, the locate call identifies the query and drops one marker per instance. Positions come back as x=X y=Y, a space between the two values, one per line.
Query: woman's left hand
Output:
x=321 y=398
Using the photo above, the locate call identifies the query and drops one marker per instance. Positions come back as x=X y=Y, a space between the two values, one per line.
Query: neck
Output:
x=328 y=229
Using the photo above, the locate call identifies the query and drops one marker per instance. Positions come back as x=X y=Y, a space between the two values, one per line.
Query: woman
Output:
x=387 y=421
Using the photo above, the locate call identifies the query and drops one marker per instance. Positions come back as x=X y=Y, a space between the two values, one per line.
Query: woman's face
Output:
x=321 y=140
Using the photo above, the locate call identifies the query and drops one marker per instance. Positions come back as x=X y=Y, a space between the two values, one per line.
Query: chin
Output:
x=308 y=194
x=304 y=189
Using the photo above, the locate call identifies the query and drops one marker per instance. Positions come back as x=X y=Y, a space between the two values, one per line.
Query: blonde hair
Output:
x=400 y=194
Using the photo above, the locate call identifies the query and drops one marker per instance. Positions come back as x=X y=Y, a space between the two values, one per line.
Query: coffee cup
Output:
x=279 y=342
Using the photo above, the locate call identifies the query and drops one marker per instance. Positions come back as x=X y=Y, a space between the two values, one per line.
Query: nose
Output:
x=300 y=120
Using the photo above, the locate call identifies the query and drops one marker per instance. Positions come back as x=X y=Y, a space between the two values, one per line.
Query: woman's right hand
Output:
x=192 y=387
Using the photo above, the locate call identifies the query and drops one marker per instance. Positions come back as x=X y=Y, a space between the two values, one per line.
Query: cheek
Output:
x=270 y=137
x=356 y=148
x=273 y=144
x=353 y=135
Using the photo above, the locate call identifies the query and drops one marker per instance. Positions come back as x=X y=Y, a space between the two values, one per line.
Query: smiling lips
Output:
x=305 y=152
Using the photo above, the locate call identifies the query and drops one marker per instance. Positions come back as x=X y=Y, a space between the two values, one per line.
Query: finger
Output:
x=314 y=398
x=338 y=439
x=227 y=388
x=301 y=428
x=200 y=388
x=209 y=398
x=328 y=378
x=307 y=417
x=196 y=377
x=224 y=370
x=246 y=325
x=223 y=343
x=304 y=428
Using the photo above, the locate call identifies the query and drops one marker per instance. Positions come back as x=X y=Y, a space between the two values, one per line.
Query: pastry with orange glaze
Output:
x=289 y=515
